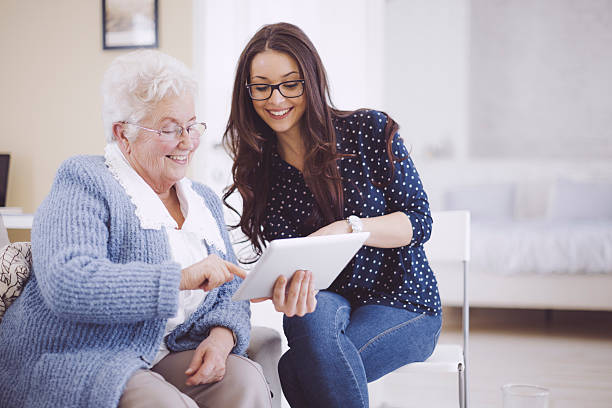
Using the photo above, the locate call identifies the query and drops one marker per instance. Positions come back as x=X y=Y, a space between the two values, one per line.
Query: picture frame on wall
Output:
x=129 y=24
x=5 y=160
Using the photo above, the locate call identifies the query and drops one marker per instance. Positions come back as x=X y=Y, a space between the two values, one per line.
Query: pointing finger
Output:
x=236 y=270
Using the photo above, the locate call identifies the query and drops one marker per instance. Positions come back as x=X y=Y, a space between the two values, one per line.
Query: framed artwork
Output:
x=4 y=169
x=129 y=24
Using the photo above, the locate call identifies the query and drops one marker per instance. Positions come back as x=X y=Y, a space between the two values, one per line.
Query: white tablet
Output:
x=325 y=256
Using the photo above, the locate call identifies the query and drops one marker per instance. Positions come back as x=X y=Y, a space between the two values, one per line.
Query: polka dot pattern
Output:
x=398 y=277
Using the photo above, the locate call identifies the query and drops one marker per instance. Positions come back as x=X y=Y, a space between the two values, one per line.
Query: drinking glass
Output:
x=525 y=396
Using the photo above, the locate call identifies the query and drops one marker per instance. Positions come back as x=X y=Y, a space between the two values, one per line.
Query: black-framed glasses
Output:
x=288 y=89
x=195 y=130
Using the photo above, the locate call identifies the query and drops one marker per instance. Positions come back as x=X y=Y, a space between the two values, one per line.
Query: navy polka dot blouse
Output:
x=397 y=277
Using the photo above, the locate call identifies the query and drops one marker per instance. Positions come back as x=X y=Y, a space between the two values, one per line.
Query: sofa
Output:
x=544 y=246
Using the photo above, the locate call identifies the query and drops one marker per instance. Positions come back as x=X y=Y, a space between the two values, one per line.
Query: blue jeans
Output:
x=335 y=351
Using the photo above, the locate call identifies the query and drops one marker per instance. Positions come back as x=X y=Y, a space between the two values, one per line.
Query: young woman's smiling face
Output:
x=282 y=114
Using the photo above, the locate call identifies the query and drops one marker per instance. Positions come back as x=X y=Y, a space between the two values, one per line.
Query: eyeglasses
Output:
x=288 y=89
x=194 y=131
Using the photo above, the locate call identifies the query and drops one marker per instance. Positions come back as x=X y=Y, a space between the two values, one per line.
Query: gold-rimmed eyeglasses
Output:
x=195 y=130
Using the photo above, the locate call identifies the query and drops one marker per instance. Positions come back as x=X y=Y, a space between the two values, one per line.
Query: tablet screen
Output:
x=325 y=256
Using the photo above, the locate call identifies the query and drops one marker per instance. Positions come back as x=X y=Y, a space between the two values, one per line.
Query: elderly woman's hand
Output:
x=209 y=273
x=299 y=299
x=208 y=361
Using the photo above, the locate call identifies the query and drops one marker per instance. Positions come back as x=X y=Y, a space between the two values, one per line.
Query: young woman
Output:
x=304 y=168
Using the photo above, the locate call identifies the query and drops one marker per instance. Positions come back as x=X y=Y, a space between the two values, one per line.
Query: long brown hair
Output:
x=250 y=140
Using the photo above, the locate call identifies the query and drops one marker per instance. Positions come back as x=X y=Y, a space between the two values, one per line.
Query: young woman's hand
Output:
x=209 y=273
x=208 y=361
x=296 y=300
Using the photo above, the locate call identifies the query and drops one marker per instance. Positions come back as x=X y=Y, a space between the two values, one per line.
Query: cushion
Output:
x=485 y=202
x=580 y=201
x=15 y=265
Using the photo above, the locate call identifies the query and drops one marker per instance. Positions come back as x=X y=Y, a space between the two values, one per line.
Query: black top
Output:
x=398 y=277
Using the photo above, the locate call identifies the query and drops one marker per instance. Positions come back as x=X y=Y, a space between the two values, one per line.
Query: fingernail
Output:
x=189 y=371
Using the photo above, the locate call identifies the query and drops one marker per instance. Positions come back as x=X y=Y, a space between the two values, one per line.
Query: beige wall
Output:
x=52 y=66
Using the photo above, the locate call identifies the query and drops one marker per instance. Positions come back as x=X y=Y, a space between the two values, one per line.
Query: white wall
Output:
x=541 y=79
x=455 y=67
x=426 y=70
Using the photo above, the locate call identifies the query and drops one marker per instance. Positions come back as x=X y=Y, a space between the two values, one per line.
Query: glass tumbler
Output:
x=525 y=396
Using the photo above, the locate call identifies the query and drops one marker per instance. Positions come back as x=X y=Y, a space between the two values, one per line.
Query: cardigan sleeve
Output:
x=76 y=278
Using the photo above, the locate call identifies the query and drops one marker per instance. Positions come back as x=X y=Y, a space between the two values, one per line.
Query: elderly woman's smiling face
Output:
x=161 y=162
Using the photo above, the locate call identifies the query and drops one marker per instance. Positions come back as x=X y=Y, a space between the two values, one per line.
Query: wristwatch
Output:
x=355 y=223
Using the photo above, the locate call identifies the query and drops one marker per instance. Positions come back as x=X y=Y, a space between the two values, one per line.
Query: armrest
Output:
x=265 y=349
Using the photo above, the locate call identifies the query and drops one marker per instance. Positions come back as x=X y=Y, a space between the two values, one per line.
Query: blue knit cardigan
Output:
x=101 y=291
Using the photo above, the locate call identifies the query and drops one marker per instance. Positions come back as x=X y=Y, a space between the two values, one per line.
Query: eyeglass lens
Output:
x=194 y=131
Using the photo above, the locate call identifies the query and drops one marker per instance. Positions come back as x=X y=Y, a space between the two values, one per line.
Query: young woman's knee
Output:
x=331 y=315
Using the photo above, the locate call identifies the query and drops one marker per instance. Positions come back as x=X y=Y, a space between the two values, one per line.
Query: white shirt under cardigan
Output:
x=185 y=244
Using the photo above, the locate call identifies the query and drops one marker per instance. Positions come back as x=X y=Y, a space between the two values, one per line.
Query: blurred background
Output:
x=505 y=105
x=498 y=91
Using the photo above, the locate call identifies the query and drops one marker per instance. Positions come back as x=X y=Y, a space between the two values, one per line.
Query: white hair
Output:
x=134 y=83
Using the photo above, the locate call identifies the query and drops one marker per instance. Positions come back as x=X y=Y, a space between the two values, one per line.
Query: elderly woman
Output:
x=129 y=300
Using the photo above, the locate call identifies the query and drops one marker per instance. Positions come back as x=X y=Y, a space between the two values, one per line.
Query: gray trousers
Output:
x=163 y=386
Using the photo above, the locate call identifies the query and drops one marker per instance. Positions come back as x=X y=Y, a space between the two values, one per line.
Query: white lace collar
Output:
x=151 y=211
